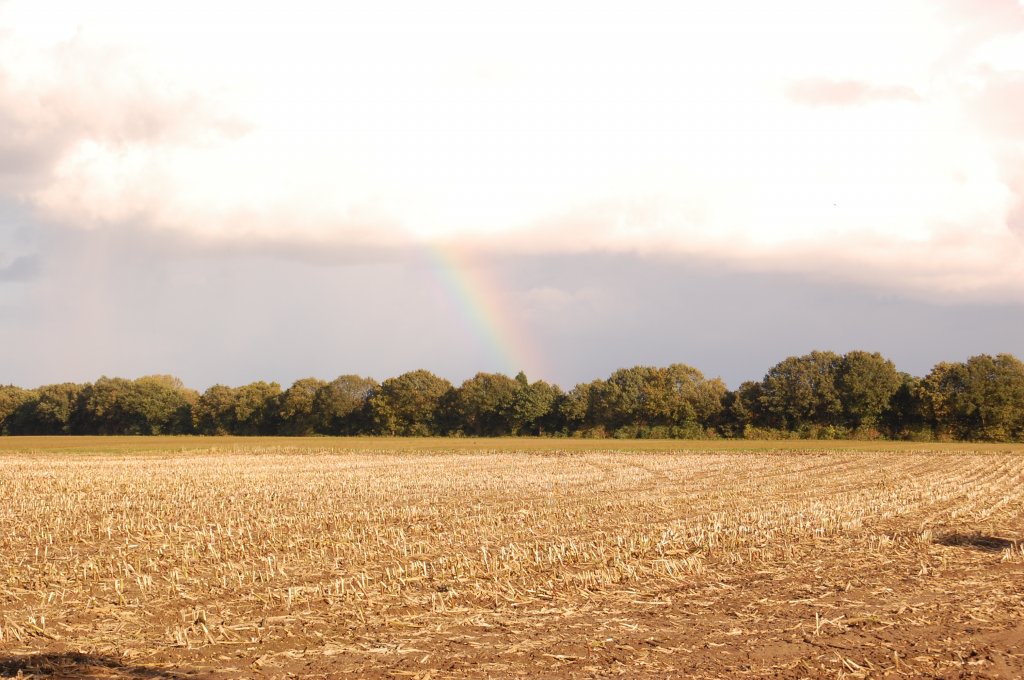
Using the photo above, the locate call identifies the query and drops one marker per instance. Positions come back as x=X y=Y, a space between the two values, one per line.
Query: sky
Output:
x=237 y=191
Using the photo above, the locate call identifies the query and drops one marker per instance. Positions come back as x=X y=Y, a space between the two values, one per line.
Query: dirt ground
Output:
x=319 y=564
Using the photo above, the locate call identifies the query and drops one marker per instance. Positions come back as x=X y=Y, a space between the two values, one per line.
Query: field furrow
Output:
x=495 y=563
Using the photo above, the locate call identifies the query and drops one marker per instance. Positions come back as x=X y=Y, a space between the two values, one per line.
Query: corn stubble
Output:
x=280 y=561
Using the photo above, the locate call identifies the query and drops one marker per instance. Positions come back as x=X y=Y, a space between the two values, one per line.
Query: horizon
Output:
x=459 y=381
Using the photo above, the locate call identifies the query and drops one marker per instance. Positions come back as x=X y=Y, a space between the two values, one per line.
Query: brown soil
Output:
x=503 y=565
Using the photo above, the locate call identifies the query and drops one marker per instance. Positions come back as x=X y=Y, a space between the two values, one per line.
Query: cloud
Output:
x=828 y=92
x=1015 y=184
x=670 y=132
x=974 y=25
x=999 y=103
x=135 y=304
x=21 y=268
x=78 y=95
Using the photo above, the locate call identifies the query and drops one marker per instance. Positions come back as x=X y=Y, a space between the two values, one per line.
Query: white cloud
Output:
x=826 y=92
x=663 y=129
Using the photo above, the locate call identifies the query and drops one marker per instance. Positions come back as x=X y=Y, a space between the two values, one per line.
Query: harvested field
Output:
x=320 y=558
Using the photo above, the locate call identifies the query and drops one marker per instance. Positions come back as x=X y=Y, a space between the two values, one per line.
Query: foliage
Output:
x=12 y=399
x=256 y=408
x=214 y=412
x=296 y=408
x=866 y=384
x=342 y=405
x=801 y=391
x=50 y=409
x=155 y=404
x=410 y=405
x=982 y=398
x=534 y=408
x=820 y=395
x=483 y=405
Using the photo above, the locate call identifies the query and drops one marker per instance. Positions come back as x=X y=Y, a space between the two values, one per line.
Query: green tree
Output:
x=162 y=404
x=982 y=398
x=576 y=409
x=994 y=405
x=799 y=392
x=102 y=408
x=342 y=405
x=483 y=405
x=691 y=401
x=296 y=411
x=533 y=410
x=866 y=384
x=154 y=404
x=256 y=408
x=905 y=416
x=939 y=391
x=628 y=398
x=410 y=405
x=673 y=401
x=214 y=412
x=742 y=410
x=50 y=409
x=12 y=398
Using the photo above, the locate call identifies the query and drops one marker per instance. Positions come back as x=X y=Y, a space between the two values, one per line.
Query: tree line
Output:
x=817 y=395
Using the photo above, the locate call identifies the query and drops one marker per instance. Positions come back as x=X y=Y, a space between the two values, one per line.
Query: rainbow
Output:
x=483 y=308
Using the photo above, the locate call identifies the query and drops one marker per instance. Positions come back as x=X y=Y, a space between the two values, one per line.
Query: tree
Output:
x=673 y=401
x=50 y=409
x=483 y=405
x=576 y=409
x=691 y=400
x=801 y=391
x=866 y=384
x=742 y=409
x=154 y=404
x=982 y=398
x=994 y=403
x=905 y=416
x=629 y=398
x=342 y=405
x=533 y=409
x=296 y=407
x=409 y=405
x=939 y=393
x=162 y=405
x=214 y=412
x=102 y=410
x=12 y=398
x=256 y=407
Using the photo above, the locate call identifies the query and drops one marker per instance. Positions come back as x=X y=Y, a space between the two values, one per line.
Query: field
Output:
x=225 y=558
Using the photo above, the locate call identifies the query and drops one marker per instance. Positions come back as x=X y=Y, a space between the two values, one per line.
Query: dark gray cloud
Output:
x=19 y=261
x=122 y=304
x=737 y=325
x=21 y=268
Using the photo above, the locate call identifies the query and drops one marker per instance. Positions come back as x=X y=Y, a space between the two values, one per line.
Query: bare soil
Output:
x=314 y=563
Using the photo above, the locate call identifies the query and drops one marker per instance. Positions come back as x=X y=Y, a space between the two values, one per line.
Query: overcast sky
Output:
x=235 y=191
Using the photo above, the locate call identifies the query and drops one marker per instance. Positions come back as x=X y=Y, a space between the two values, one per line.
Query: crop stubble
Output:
x=317 y=562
